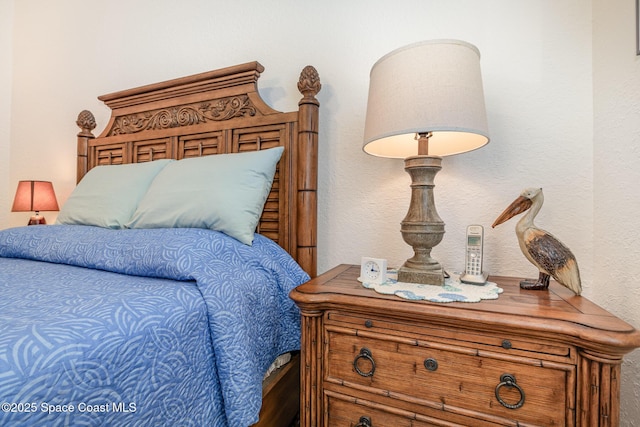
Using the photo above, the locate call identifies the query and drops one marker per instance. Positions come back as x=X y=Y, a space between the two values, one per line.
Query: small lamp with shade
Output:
x=426 y=101
x=35 y=196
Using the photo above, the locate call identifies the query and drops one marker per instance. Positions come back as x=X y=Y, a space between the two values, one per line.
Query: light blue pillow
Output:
x=107 y=196
x=224 y=192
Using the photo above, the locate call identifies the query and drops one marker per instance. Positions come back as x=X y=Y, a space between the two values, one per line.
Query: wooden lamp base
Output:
x=422 y=228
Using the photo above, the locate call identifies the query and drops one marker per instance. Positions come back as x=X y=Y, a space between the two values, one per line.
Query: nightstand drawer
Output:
x=461 y=337
x=344 y=410
x=349 y=413
x=432 y=373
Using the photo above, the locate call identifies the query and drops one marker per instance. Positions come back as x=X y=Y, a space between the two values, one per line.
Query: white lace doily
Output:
x=452 y=291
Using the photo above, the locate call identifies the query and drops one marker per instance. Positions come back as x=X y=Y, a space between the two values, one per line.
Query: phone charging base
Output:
x=474 y=279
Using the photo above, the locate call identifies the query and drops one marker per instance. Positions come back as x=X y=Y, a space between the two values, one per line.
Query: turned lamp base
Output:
x=422 y=228
x=37 y=219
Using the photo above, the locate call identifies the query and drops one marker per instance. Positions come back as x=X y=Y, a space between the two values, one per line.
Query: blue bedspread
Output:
x=140 y=327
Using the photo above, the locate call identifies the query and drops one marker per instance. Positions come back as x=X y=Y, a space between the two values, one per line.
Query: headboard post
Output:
x=86 y=122
x=307 y=185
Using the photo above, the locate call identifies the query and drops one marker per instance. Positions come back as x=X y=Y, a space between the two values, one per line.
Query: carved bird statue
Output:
x=541 y=248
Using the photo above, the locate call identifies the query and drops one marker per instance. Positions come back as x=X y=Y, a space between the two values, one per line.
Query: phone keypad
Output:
x=474 y=261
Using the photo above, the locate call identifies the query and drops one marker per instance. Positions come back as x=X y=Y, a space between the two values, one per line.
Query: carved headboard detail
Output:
x=220 y=112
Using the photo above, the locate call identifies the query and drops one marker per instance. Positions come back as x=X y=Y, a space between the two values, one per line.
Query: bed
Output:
x=160 y=296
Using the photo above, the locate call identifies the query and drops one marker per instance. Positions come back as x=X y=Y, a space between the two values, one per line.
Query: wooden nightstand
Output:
x=546 y=358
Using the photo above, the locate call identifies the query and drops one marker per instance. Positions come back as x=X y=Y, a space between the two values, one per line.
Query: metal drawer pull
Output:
x=431 y=364
x=509 y=381
x=364 y=422
x=365 y=353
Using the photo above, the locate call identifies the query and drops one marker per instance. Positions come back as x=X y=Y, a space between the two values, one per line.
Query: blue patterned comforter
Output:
x=140 y=327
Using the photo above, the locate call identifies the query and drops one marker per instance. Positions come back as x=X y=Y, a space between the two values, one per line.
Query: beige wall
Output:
x=6 y=51
x=616 y=149
x=540 y=80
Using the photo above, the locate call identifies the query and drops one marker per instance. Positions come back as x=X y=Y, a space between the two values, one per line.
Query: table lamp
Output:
x=425 y=101
x=35 y=196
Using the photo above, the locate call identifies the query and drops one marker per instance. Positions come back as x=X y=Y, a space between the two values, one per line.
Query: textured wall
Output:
x=537 y=67
x=616 y=171
x=6 y=45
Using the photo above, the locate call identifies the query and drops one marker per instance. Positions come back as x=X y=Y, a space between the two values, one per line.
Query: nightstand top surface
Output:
x=539 y=313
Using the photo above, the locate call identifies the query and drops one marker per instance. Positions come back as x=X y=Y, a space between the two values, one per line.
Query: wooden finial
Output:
x=309 y=83
x=86 y=122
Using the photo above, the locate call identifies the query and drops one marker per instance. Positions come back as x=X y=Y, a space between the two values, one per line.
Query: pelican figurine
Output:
x=542 y=249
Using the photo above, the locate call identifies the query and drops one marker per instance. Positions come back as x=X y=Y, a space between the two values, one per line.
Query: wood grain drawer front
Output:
x=343 y=410
x=344 y=413
x=469 y=338
x=432 y=373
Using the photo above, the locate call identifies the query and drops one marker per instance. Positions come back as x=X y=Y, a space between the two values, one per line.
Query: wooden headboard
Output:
x=219 y=112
